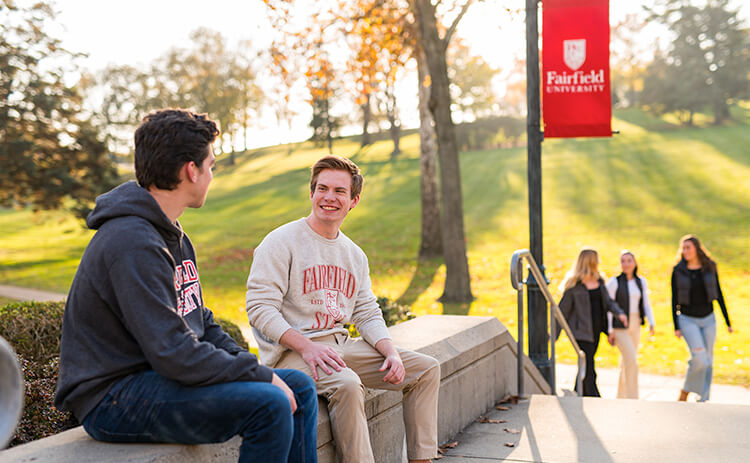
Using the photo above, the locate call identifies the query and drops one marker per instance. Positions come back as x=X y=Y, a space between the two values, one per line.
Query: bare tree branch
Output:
x=452 y=29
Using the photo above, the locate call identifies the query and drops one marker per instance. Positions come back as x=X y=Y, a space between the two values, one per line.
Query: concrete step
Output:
x=574 y=429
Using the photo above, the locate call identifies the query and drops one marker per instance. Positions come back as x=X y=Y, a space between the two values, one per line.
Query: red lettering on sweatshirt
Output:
x=330 y=277
x=323 y=321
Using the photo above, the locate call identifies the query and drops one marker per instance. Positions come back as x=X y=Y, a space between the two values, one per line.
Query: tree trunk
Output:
x=457 y=280
x=721 y=111
x=395 y=125
x=395 y=137
x=366 y=117
x=432 y=239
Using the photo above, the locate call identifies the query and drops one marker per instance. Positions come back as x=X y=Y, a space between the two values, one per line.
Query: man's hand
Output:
x=611 y=338
x=730 y=329
x=276 y=381
x=395 y=367
x=315 y=355
x=320 y=355
x=678 y=333
x=392 y=363
x=624 y=319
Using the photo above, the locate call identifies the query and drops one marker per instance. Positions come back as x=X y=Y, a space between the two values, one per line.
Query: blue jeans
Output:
x=700 y=335
x=146 y=407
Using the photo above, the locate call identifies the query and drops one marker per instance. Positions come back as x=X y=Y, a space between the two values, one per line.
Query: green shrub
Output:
x=490 y=133
x=393 y=313
x=40 y=418
x=34 y=330
x=233 y=331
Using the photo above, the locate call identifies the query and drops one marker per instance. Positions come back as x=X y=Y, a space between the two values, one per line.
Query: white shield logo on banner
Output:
x=574 y=53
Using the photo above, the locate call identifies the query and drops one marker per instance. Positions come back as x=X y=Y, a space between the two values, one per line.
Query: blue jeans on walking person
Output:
x=700 y=335
x=146 y=407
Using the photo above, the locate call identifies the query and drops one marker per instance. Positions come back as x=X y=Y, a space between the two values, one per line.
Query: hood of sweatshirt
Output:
x=129 y=199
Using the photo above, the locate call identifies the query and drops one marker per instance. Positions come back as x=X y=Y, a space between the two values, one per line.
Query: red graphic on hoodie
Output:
x=187 y=285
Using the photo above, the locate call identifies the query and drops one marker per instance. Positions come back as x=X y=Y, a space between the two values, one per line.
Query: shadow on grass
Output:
x=423 y=276
x=456 y=308
x=632 y=190
x=731 y=138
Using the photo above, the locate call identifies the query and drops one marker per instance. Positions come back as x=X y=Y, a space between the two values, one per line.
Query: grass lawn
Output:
x=640 y=190
x=6 y=301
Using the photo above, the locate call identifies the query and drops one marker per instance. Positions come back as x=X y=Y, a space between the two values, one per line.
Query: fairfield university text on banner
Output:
x=576 y=98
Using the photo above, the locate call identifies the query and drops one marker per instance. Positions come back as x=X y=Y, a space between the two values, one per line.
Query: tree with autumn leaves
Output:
x=51 y=154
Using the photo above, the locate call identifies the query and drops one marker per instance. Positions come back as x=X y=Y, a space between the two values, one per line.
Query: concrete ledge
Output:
x=478 y=367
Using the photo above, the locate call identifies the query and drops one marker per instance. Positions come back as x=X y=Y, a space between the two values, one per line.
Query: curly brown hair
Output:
x=166 y=140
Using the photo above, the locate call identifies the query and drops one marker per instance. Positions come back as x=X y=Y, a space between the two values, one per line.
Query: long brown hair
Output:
x=587 y=263
x=707 y=263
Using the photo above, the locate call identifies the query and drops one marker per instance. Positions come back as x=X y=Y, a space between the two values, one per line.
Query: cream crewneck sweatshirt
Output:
x=303 y=281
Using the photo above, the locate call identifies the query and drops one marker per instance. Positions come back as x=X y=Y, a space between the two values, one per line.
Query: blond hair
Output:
x=587 y=264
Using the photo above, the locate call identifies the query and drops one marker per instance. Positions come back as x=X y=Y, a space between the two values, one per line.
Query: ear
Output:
x=191 y=171
x=355 y=201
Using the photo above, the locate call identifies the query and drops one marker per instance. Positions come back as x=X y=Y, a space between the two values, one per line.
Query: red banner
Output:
x=576 y=99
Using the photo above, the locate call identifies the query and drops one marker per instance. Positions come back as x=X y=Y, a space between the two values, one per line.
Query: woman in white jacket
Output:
x=630 y=291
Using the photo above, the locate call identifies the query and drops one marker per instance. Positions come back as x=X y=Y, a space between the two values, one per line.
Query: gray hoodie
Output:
x=136 y=304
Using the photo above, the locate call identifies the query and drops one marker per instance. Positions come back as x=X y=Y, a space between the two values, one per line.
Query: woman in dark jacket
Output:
x=695 y=287
x=584 y=304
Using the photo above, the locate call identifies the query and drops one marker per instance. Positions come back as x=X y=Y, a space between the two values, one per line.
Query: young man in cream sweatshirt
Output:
x=307 y=280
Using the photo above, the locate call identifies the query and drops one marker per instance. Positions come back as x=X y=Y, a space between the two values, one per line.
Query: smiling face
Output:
x=689 y=252
x=331 y=198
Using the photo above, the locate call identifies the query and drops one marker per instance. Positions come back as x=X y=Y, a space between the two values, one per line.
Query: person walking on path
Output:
x=695 y=287
x=141 y=357
x=630 y=291
x=306 y=281
x=584 y=304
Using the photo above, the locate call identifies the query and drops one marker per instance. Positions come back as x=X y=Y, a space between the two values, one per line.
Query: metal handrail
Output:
x=516 y=279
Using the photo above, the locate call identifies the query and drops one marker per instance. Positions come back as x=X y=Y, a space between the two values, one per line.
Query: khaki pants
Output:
x=627 y=339
x=345 y=392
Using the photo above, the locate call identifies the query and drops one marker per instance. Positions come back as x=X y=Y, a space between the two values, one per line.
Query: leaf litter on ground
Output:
x=444 y=448
x=484 y=419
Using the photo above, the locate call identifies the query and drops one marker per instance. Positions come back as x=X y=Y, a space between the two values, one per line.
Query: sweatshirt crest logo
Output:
x=574 y=53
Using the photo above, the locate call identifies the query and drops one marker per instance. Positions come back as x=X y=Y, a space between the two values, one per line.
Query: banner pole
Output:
x=537 y=305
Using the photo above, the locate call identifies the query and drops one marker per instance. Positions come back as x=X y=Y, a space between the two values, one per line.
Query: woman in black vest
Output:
x=584 y=305
x=695 y=287
x=630 y=291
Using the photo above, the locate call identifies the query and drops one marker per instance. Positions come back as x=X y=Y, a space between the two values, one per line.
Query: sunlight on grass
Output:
x=641 y=190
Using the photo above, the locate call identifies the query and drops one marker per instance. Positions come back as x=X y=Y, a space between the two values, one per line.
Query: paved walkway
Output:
x=651 y=387
x=27 y=294
x=587 y=430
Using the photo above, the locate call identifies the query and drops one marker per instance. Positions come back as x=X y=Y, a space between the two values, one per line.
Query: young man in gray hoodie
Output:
x=141 y=357
x=307 y=280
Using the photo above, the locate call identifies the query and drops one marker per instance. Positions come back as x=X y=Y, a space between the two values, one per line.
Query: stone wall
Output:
x=478 y=367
